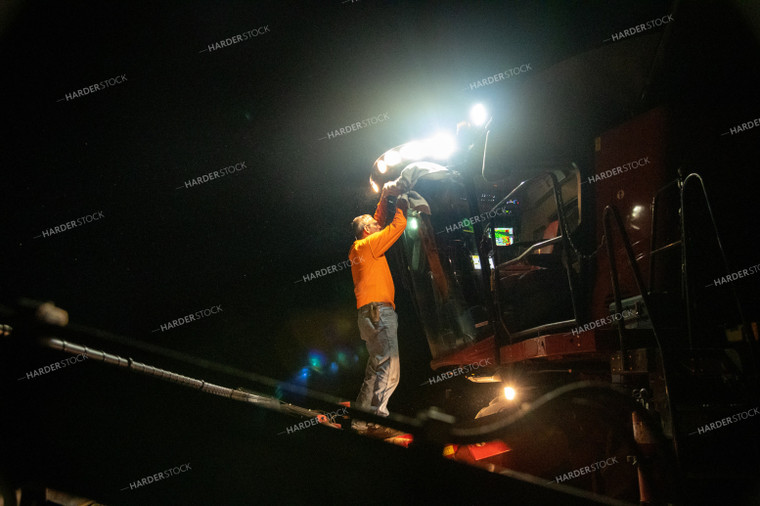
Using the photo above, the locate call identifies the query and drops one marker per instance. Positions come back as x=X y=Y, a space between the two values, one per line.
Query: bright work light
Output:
x=440 y=146
x=478 y=115
x=411 y=150
x=392 y=158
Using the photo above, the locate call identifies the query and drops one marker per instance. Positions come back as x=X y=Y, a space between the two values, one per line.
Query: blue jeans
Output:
x=383 y=367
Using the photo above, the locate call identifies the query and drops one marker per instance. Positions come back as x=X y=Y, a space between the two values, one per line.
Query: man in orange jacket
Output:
x=375 y=292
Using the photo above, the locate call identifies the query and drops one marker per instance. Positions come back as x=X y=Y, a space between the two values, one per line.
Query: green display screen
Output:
x=504 y=236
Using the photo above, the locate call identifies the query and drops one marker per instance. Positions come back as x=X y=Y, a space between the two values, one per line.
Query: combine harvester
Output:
x=568 y=245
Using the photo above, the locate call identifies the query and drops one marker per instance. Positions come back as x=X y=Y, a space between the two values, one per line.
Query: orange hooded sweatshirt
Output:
x=369 y=268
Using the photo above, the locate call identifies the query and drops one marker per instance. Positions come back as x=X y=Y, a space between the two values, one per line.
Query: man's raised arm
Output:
x=381 y=241
x=390 y=189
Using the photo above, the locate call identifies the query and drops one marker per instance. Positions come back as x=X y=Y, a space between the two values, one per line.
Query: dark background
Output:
x=245 y=241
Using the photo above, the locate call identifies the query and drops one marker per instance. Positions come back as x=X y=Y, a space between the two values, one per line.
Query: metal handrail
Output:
x=530 y=250
x=685 y=278
x=611 y=211
x=451 y=433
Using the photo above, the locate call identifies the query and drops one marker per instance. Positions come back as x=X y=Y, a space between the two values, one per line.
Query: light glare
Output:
x=510 y=393
x=478 y=115
x=441 y=145
x=411 y=150
x=381 y=166
x=392 y=158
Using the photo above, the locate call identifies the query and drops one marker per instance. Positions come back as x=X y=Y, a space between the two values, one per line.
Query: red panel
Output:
x=556 y=346
x=482 y=451
x=482 y=350
x=631 y=164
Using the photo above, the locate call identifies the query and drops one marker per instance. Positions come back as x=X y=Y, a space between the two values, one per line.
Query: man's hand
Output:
x=402 y=204
x=391 y=189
